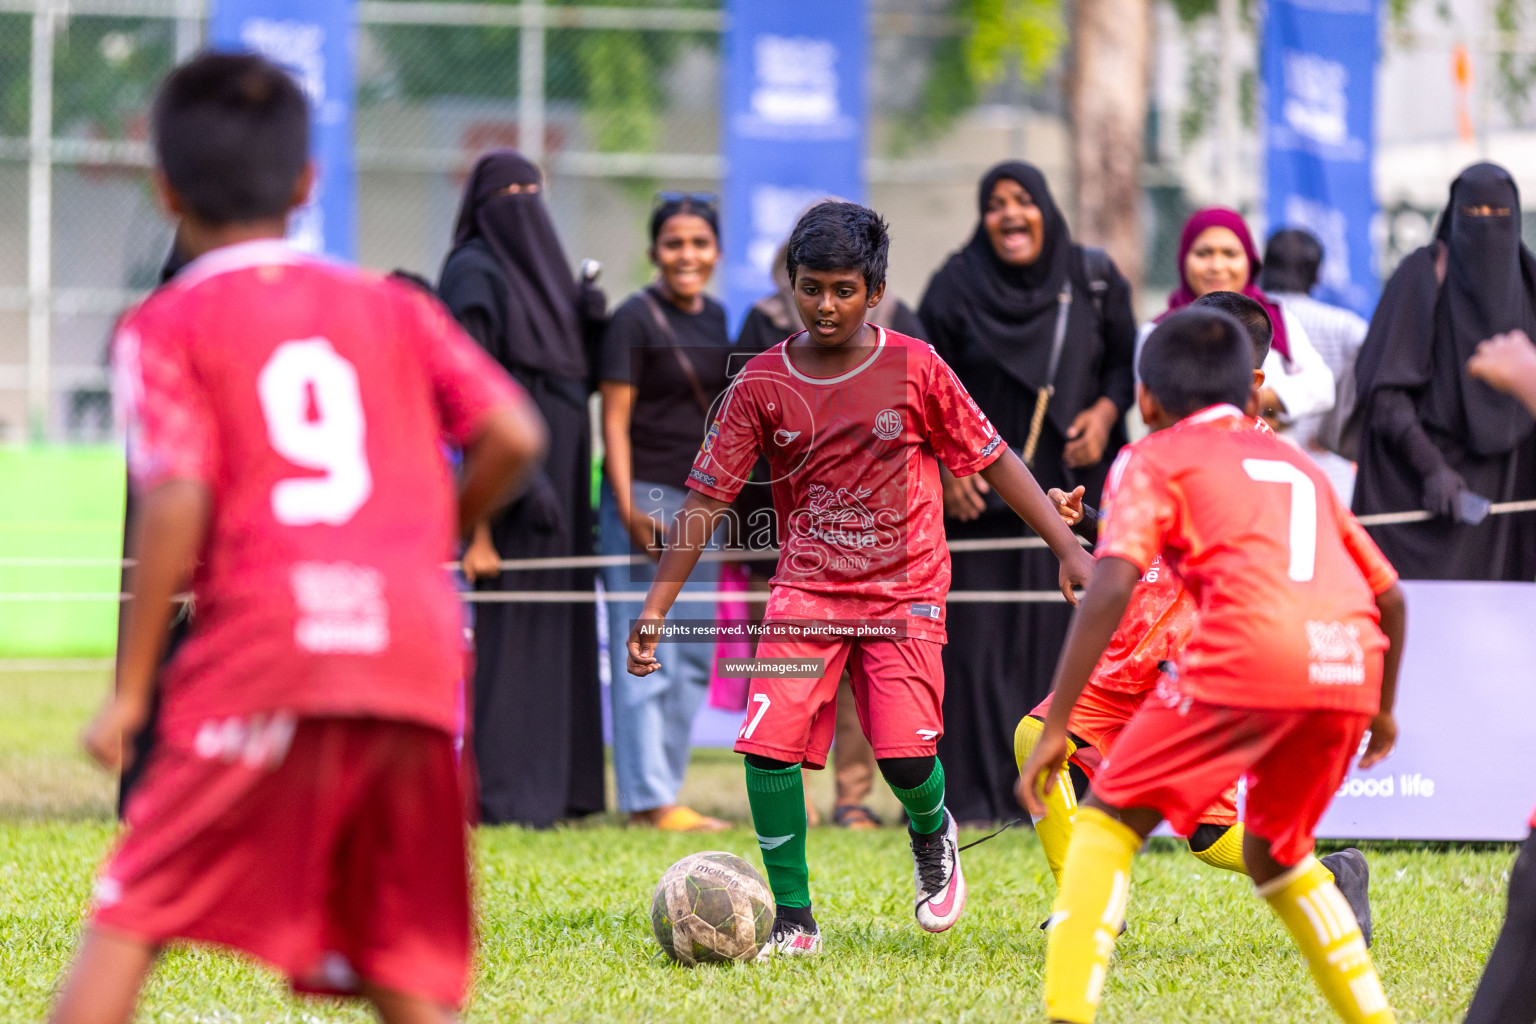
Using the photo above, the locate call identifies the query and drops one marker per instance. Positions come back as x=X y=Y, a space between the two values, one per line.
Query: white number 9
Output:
x=332 y=441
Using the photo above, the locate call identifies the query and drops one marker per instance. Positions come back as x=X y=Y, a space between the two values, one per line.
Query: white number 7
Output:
x=1303 y=538
x=761 y=698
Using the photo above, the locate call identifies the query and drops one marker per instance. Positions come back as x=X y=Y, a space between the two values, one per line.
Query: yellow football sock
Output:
x=1055 y=829
x=1225 y=853
x=1089 y=913
x=1319 y=919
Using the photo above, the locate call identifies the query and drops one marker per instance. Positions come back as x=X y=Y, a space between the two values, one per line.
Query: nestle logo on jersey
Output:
x=1337 y=659
x=341 y=608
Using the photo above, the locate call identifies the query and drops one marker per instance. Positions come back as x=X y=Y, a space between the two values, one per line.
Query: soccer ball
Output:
x=712 y=907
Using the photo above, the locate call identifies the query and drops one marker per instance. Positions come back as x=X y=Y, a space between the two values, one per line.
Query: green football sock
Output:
x=777 y=798
x=925 y=804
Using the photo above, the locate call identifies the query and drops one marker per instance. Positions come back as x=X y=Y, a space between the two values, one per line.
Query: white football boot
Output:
x=937 y=875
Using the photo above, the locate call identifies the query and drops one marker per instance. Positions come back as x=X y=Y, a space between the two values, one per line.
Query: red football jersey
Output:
x=1281 y=574
x=312 y=400
x=855 y=476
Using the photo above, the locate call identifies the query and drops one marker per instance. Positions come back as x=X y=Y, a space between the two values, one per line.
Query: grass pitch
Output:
x=565 y=935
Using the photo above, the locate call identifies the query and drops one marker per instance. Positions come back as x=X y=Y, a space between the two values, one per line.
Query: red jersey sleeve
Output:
x=172 y=433
x=1378 y=572
x=466 y=383
x=730 y=447
x=1137 y=513
x=961 y=435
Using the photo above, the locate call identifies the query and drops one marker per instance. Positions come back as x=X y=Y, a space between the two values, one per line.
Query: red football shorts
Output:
x=1179 y=759
x=898 y=689
x=333 y=849
x=1099 y=717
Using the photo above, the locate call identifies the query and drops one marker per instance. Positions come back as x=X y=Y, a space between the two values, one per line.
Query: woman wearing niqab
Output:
x=992 y=312
x=537 y=716
x=1431 y=433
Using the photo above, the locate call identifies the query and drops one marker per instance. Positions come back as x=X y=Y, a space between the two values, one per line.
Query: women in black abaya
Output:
x=992 y=311
x=537 y=718
x=1432 y=434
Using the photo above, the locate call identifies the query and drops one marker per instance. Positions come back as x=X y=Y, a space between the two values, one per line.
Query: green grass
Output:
x=564 y=928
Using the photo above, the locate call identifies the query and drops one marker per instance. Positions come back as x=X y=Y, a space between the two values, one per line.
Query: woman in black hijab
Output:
x=1432 y=435
x=1021 y=312
x=537 y=716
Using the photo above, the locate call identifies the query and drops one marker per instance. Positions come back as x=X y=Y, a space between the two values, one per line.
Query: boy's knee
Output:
x=768 y=764
x=907 y=772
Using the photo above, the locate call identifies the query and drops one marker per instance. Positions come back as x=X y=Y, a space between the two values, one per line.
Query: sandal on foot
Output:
x=856 y=817
x=686 y=819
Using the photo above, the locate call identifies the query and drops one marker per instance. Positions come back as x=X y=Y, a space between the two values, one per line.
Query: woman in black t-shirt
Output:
x=663 y=363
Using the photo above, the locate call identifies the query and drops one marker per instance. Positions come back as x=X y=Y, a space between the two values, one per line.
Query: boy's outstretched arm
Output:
x=1394 y=623
x=1014 y=483
x=173 y=520
x=1093 y=624
x=686 y=539
x=506 y=449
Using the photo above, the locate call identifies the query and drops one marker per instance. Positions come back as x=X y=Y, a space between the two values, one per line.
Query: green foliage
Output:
x=105 y=73
x=1515 y=20
x=615 y=76
x=1001 y=36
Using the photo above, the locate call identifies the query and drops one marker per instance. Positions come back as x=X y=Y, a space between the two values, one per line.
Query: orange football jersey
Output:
x=1282 y=575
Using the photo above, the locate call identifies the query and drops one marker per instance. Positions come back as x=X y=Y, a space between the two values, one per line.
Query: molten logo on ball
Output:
x=712 y=907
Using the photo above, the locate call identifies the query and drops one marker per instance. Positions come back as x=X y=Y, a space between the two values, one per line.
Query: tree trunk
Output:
x=1112 y=44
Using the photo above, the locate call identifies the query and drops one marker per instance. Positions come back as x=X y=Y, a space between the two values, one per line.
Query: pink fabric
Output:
x=730 y=694
x=1221 y=217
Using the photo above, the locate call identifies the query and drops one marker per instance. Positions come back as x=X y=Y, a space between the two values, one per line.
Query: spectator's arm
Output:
x=1303 y=385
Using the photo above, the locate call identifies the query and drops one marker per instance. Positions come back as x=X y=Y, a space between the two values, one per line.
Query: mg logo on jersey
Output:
x=888 y=425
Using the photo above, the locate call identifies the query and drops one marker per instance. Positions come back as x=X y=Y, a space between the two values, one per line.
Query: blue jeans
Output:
x=653 y=715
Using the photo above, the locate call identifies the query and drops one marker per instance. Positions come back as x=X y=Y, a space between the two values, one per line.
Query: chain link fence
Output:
x=616 y=100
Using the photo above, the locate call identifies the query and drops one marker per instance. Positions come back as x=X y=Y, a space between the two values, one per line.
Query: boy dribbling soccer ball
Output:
x=1293 y=660
x=285 y=416
x=854 y=420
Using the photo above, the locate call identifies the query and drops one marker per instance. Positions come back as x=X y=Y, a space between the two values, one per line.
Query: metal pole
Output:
x=1227 y=114
x=189 y=36
x=40 y=221
x=530 y=92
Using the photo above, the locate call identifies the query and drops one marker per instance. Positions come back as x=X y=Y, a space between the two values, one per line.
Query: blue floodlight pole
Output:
x=793 y=127
x=1319 y=112
x=316 y=40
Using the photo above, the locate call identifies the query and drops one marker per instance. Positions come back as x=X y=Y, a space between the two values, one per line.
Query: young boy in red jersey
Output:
x=1152 y=633
x=285 y=416
x=854 y=420
x=1287 y=669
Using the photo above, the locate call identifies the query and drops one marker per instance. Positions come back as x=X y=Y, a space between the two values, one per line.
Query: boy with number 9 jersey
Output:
x=285 y=420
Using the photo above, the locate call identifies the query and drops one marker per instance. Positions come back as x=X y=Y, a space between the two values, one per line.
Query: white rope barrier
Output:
x=694 y=597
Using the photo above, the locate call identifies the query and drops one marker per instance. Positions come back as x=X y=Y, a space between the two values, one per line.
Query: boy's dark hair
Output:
x=695 y=206
x=1248 y=312
x=1197 y=358
x=1291 y=261
x=835 y=235
x=231 y=134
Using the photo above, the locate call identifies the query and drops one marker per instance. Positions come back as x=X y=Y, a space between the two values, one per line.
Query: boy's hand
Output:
x=1076 y=571
x=1383 y=739
x=1039 y=775
x=643 y=638
x=1068 y=506
x=964 y=496
x=1505 y=361
x=481 y=560
x=107 y=739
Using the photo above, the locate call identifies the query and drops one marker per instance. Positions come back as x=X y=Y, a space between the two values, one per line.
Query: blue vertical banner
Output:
x=316 y=41
x=794 y=127
x=1319 y=112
